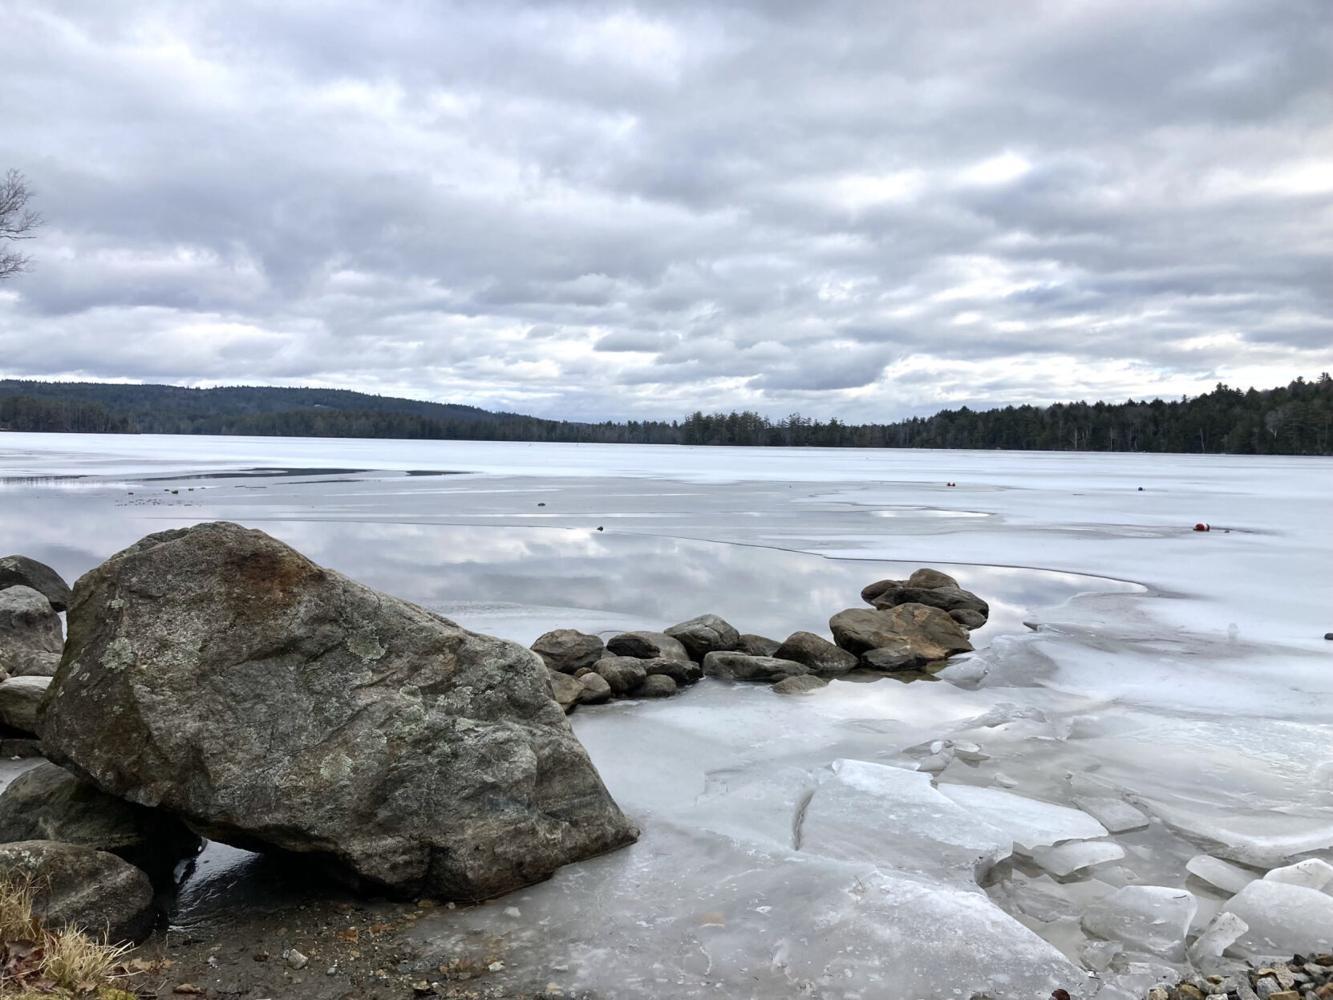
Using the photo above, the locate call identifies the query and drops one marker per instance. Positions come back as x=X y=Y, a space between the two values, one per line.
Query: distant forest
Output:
x=1295 y=419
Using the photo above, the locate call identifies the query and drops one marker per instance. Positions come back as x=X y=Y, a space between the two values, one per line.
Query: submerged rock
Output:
x=800 y=684
x=567 y=649
x=648 y=646
x=739 y=667
x=30 y=634
x=20 y=571
x=220 y=674
x=705 y=634
x=49 y=803
x=20 y=697
x=81 y=887
x=817 y=653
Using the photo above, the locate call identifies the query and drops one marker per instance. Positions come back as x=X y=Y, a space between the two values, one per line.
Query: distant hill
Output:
x=1295 y=419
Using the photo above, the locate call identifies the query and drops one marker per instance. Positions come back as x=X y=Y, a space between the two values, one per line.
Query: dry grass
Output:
x=37 y=963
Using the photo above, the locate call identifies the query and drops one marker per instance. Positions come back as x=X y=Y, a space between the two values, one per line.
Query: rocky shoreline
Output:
x=216 y=684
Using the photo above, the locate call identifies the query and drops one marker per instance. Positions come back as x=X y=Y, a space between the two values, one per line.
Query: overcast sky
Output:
x=589 y=210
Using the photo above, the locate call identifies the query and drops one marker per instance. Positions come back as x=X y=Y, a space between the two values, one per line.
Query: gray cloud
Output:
x=852 y=209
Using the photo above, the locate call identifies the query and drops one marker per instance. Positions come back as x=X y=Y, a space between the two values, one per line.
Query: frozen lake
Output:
x=873 y=839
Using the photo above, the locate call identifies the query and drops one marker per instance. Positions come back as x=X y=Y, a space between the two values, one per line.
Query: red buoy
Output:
x=1203 y=526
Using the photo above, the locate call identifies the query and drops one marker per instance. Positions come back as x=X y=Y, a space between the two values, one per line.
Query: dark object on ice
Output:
x=1059 y=995
x=1203 y=526
x=1140 y=489
x=599 y=527
x=540 y=503
x=1329 y=636
x=272 y=703
x=20 y=571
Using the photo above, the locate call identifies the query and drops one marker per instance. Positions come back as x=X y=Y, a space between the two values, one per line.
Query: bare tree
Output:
x=17 y=222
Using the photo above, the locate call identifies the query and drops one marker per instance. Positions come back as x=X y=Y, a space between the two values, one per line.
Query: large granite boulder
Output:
x=20 y=571
x=817 y=653
x=217 y=673
x=20 y=698
x=81 y=887
x=30 y=635
x=740 y=667
x=705 y=634
x=647 y=646
x=933 y=635
x=569 y=650
x=48 y=803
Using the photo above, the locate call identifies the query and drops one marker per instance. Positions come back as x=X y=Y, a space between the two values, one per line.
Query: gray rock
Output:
x=968 y=618
x=595 y=689
x=647 y=646
x=20 y=571
x=739 y=667
x=705 y=634
x=801 y=684
x=565 y=689
x=48 y=803
x=927 y=578
x=81 y=887
x=621 y=673
x=896 y=656
x=271 y=703
x=683 y=672
x=817 y=653
x=944 y=598
x=657 y=686
x=20 y=698
x=30 y=634
x=568 y=650
x=931 y=632
x=756 y=645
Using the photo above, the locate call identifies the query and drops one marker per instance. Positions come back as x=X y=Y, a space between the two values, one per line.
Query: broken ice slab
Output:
x=1065 y=859
x=1282 y=918
x=1221 y=934
x=1116 y=815
x=896 y=818
x=1031 y=822
x=1220 y=874
x=1311 y=873
x=1263 y=839
x=1148 y=918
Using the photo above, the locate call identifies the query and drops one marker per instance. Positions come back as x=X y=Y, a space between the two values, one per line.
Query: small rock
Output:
x=739 y=667
x=564 y=689
x=295 y=959
x=595 y=689
x=756 y=645
x=683 y=672
x=20 y=571
x=647 y=646
x=895 y=656
x=968 y=618
x=567 y=649
x=656 y=686
x=622 y=673
x=705 y=634
x=817 y=653
x=801 y=684
x=19 y=699
x=77 y=885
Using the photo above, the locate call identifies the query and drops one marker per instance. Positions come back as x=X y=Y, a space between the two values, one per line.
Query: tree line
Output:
x=1296 y=419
